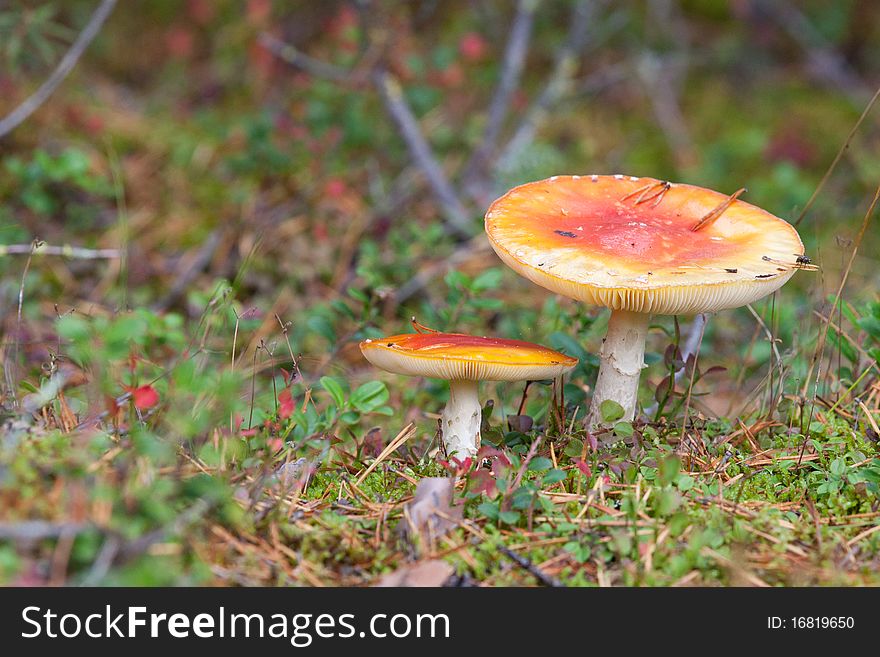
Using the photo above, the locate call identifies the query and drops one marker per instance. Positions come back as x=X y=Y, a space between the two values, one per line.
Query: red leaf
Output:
x=286 y=405
x=144 y=397
x=488 y=452
x=463 y=465
x=583 y=466
x=482 y=481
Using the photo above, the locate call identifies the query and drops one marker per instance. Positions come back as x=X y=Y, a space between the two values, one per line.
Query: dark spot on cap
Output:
x=390 y=344
x=730 y=270
x=565 y=233
x=763 y=275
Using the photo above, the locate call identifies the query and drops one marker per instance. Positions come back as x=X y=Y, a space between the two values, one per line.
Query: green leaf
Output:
x=574 y=448
x=623 y=429
x=333 y=387
x=489 y=509
x=509 y=517
x=350 y=417
x=540 y=464
x=553 y=477
x=488 y=280
x=611 y=411
x=370 y=396
x=685 y=483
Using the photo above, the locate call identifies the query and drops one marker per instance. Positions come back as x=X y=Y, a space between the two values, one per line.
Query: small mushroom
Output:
x=640 y=247
x=464 y=360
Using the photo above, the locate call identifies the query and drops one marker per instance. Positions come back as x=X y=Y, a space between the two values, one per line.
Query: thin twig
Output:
x=40 y=530
x=41 y=95
x=14 y=360
x=314 y=67
x=687 y=402
x=691 y=346
x=457 y=217
x=511 y=70
x=558 y=83
x=65 y=251
x=527 y=565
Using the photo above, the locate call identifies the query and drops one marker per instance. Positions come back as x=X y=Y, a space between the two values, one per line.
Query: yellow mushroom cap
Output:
x=629 y=243
x=456 y=356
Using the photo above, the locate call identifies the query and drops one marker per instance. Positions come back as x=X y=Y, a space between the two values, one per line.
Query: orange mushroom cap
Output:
x=456 y=356
x=630 y=243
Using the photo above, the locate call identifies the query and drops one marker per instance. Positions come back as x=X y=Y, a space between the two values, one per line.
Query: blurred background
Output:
x=331 y=161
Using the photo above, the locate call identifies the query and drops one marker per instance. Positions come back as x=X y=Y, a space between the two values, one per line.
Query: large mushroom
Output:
x=640 y=247
x=464 y=360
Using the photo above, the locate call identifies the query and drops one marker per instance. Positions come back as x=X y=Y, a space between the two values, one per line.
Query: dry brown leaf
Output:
x=424 y=573
x=431 y=513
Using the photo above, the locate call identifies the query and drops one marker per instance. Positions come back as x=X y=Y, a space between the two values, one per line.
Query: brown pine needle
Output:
x=405 y=434
x=717 y=212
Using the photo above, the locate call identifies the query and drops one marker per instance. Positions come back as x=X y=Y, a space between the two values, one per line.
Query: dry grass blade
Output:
x=823 y=334
x=864 y=534
x=405 y=434
x=837 y=157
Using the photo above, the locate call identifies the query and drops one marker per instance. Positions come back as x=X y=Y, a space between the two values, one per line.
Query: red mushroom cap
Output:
x=456 y=356
x=642 y=244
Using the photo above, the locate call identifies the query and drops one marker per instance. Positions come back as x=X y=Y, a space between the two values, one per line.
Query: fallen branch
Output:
x=65 y=251
x=558 y=84
x=314 y=67
x=41 y=95
x=40 y=530
x=457 y=217
x=511 y=69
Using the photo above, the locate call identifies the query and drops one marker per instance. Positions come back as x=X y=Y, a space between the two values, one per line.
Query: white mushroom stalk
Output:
x=621 y=358
x=460 y=420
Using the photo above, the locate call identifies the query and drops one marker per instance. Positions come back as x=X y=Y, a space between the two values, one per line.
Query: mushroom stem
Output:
x=622 y=358
x=460 y=421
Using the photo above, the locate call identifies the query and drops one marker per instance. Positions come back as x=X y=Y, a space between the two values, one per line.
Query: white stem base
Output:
x=460 y=421
x=622 y=358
